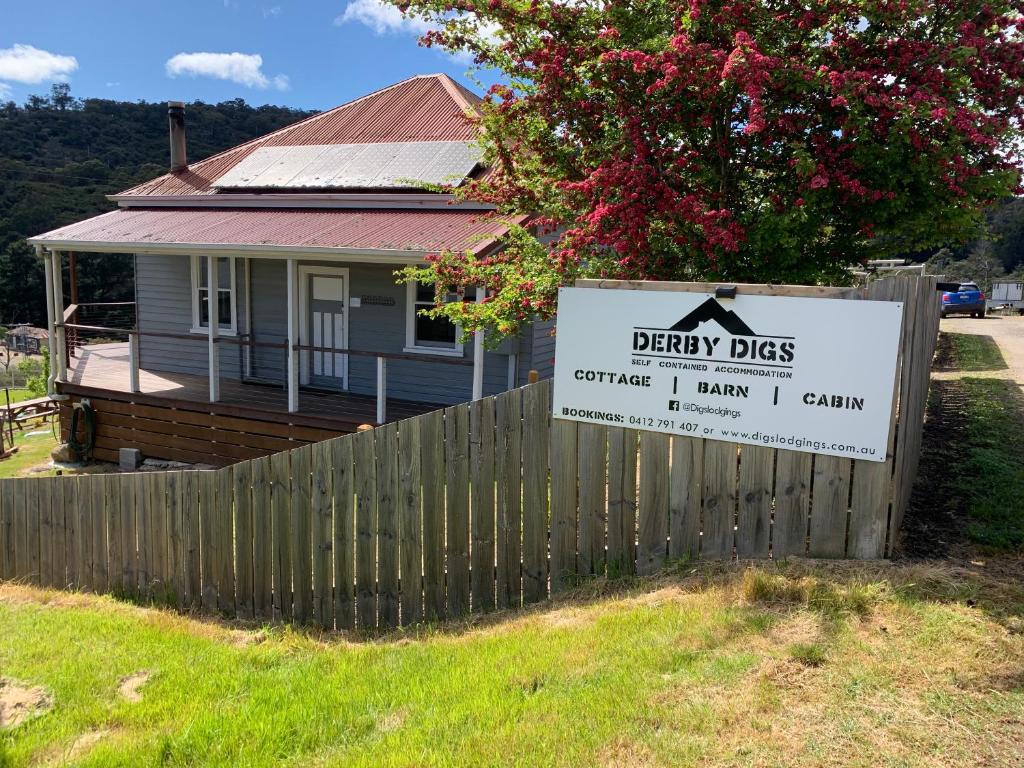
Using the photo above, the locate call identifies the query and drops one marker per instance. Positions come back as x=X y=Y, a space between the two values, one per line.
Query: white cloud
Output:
x=381 y=17
x=271 y=12
x=5 y=91
x=242 y=68
x=384 y=18
x=28 y=64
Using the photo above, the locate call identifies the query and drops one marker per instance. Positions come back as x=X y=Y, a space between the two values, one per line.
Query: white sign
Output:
x=804 y=374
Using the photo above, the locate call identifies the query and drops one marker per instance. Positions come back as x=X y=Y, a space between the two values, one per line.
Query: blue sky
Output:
x=311 y=54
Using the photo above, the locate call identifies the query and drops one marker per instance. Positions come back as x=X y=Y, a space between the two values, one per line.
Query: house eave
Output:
x=301 y=200
x=359 y=255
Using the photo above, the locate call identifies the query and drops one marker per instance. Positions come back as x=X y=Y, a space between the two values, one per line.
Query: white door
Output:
x=324 y=327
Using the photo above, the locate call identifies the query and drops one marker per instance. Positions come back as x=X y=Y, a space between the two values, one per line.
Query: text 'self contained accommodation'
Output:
x=291 y=242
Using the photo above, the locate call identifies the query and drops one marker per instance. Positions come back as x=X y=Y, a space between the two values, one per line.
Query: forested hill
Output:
x=60 y=156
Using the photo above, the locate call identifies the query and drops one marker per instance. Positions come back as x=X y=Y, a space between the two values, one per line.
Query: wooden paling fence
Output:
x=485 y=505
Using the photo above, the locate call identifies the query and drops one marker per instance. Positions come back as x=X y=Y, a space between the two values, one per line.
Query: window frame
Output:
x=196 y=285
x=411 y=308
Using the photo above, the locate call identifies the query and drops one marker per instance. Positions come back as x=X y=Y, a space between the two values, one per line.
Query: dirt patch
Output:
x=77 y=750
x=129 y=687
x=20 y=702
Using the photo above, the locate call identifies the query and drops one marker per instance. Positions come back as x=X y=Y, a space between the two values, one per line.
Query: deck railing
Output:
x=106 y=316
x=246 y=345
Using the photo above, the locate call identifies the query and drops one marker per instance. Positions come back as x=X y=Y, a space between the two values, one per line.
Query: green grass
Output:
x=716 y=669
x=33 y=450
x=17 y=396
x=977 y=353
x=992 y=468
x=809 y=654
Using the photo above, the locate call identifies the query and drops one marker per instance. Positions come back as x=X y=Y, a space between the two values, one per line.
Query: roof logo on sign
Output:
x=712 y=310
x=689 y=340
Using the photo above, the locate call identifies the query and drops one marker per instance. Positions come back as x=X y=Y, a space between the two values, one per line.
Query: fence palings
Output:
x=322 y=533
x=509 y=482
x=365 y=478
x=481 y=471
x=622 y=465
x=301 y=535
x=456 y=441
x=653 y=507
x=386 y=446
x=410 y=513
x=432 y=475
x=343 y=546
x=481 y=505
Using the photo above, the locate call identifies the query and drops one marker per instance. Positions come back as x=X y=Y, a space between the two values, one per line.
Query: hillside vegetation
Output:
x=59 y=158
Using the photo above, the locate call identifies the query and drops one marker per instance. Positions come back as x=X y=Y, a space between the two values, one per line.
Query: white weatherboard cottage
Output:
x=290 y=242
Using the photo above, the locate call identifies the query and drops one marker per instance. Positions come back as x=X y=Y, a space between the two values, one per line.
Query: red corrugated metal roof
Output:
x=423 y=108
x=372 y=229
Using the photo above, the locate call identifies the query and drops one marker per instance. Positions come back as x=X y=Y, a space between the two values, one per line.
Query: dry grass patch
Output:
x=624 y=753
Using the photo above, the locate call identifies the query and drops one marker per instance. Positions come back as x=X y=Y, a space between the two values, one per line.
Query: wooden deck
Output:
x=172 y=418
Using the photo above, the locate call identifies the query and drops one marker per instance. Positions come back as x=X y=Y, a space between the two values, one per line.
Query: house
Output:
x=26 y=339
x=290 y=242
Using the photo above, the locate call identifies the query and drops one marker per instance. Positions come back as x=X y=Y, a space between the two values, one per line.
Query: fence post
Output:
x=382 y=390
x=133 y=360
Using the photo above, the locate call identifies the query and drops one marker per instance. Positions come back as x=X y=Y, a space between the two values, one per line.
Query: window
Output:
x=226 y=313
x=425 y=334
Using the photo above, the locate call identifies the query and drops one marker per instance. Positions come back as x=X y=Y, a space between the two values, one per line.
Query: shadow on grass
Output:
x=968 y=352
x=763 y=592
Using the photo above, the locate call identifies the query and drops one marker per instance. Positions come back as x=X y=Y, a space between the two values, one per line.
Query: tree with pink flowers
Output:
x=733 y=141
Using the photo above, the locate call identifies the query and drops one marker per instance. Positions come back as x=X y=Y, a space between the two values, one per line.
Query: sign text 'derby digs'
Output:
x=804 y=374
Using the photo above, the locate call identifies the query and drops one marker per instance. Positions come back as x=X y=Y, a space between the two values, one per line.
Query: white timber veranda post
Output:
x=133 y=360
x=50 y=320
x=247 y=354
x=58 y=362
x=293 y=336
x=213 y=326
x=382 y=390
x=478 y=353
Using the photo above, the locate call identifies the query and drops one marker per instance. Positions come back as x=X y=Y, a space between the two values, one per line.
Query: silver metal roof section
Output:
x=398 y=165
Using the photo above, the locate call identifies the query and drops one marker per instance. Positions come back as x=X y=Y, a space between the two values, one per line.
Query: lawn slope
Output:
x=788 y=665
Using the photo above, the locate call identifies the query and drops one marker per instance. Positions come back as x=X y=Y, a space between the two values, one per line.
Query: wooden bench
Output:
x=27 y=410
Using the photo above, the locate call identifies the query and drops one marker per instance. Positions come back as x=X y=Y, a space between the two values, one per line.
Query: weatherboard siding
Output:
x=164 y=296
x=269 y=282
x=544 y=348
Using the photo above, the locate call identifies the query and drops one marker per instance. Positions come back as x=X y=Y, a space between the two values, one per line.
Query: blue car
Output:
x=968 y=299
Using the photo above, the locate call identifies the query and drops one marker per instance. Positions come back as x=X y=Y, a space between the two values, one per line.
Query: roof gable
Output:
x=422 y=108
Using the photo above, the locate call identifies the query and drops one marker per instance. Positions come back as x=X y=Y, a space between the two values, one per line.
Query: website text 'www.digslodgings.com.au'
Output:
x=696 y=429
x=793 y=441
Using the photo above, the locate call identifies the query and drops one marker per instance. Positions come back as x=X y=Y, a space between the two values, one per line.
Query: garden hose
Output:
x=83 y=449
